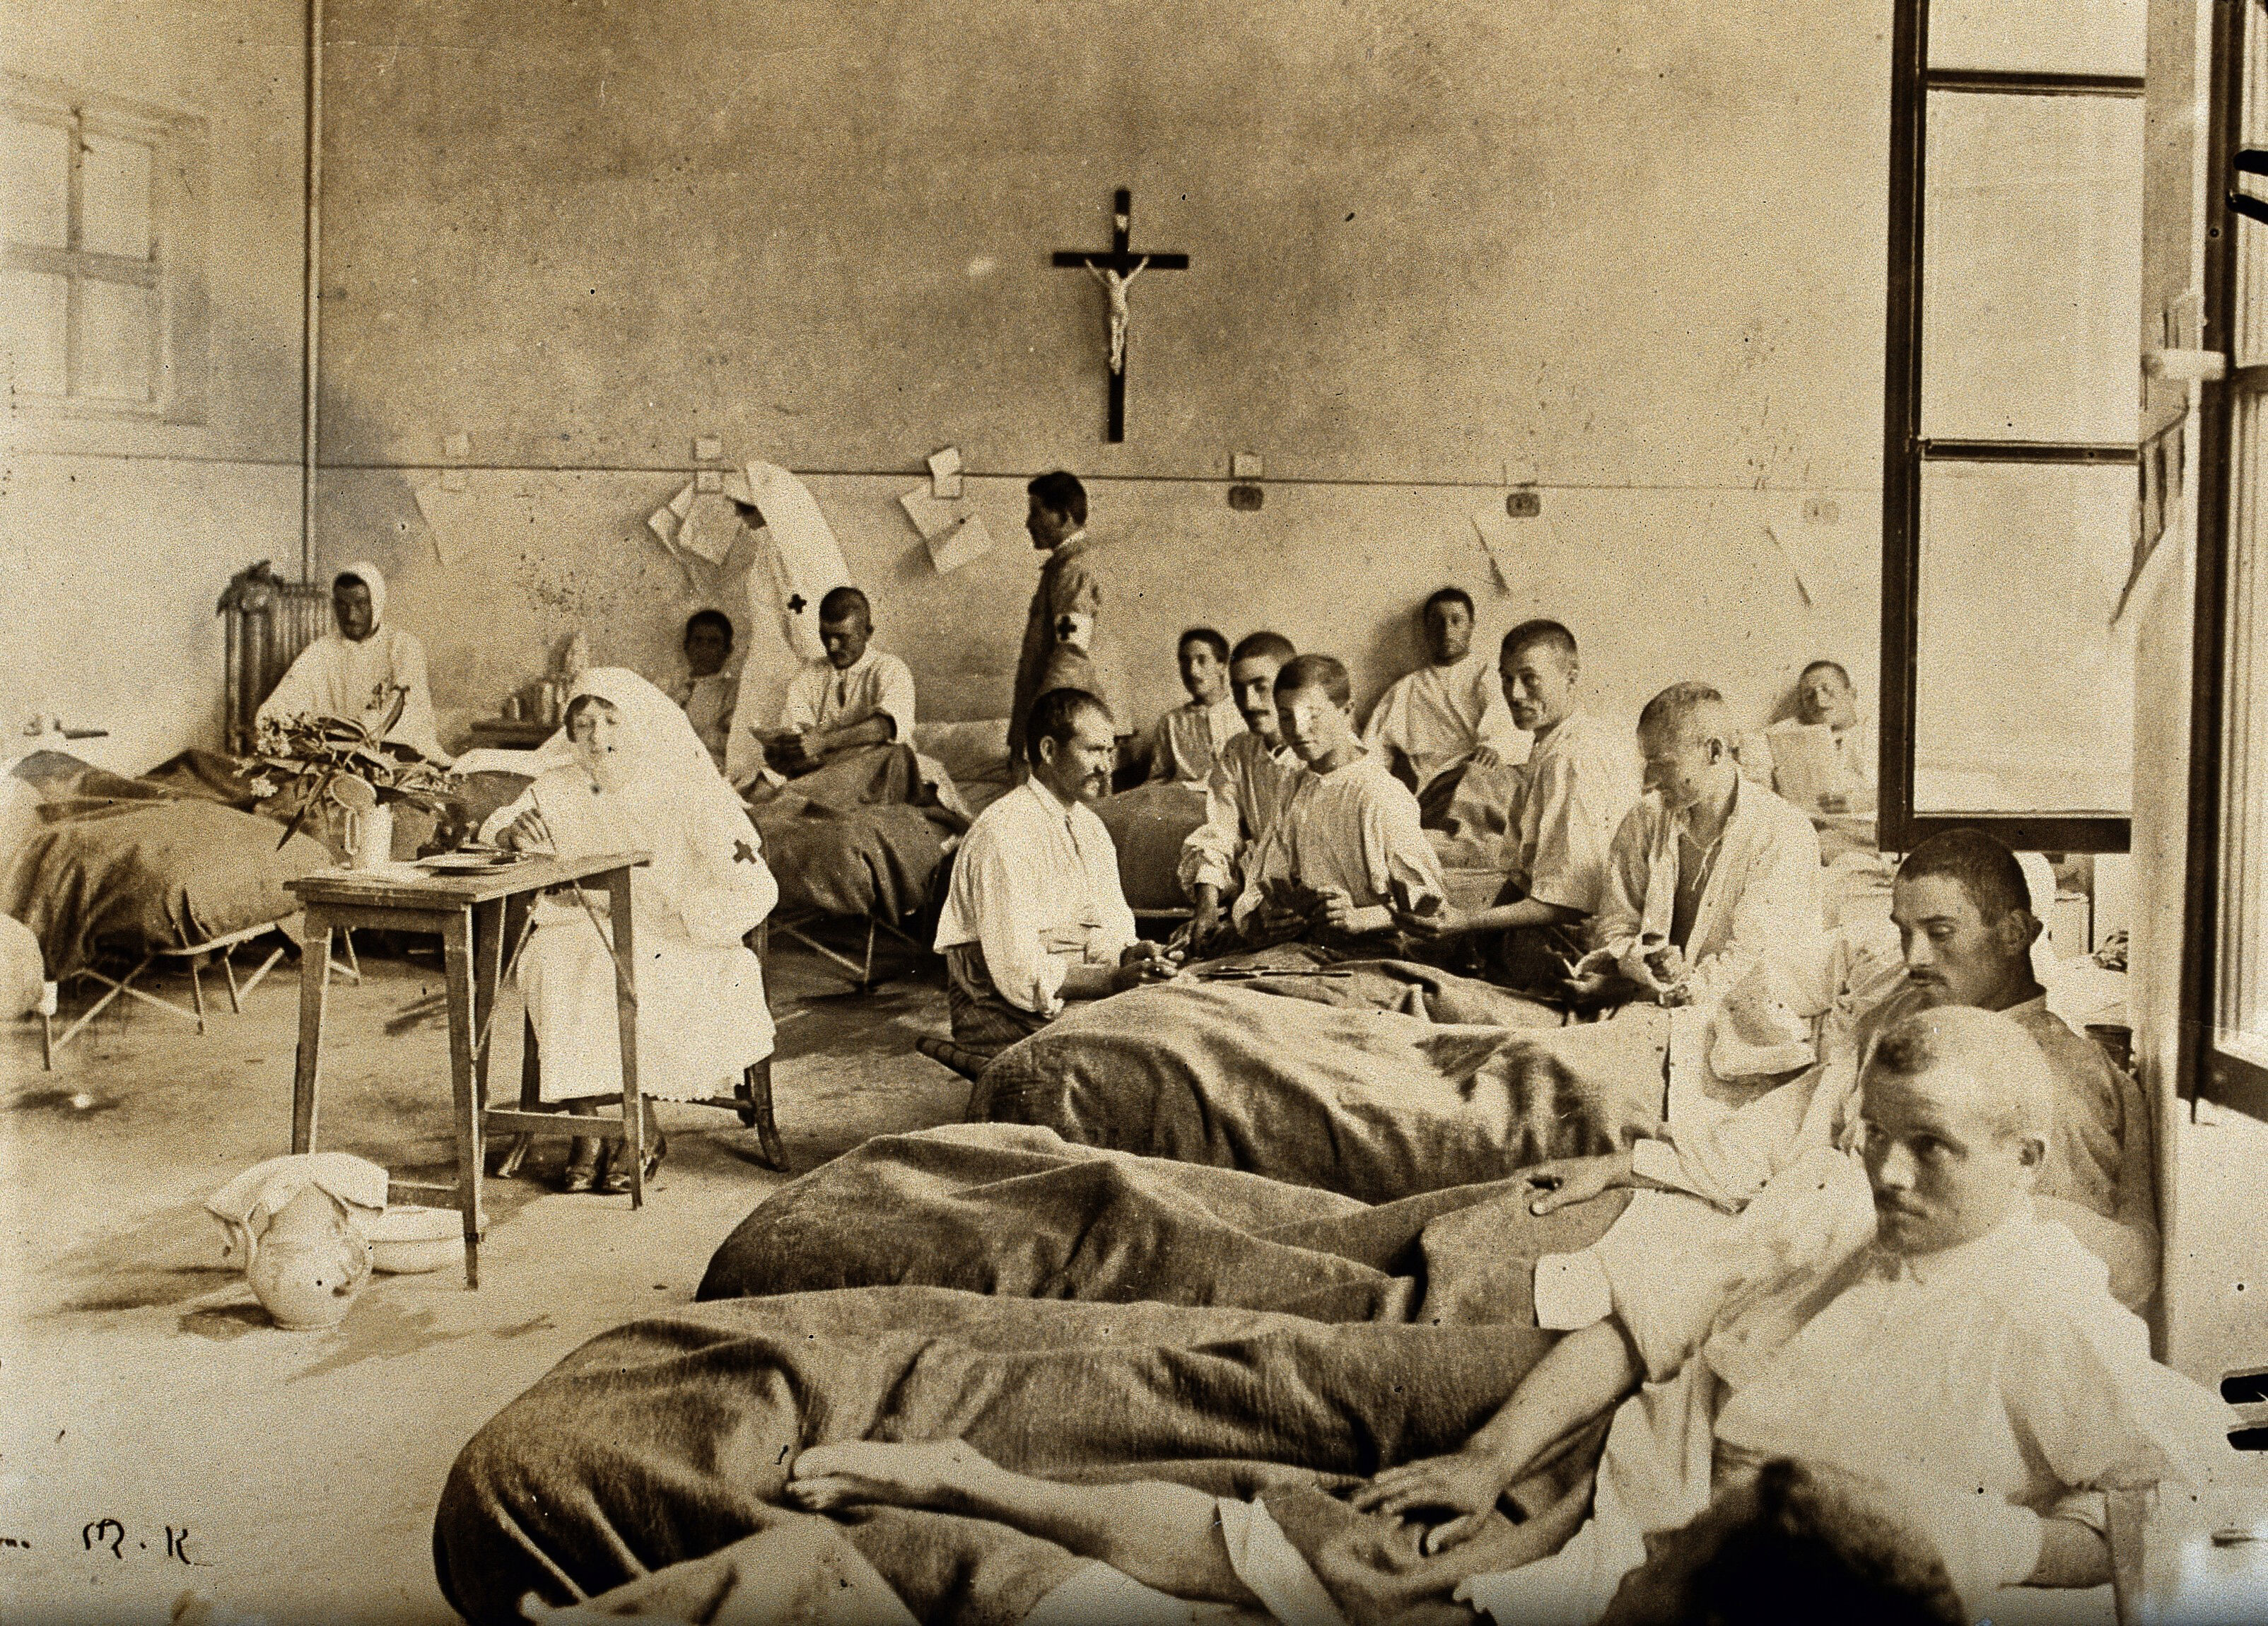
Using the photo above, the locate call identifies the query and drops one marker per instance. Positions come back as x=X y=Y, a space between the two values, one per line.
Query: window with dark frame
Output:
x=104 y=290
x=2224 y=969
x=2009 y=456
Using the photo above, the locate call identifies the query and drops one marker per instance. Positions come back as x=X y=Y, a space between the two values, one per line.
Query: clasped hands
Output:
x=1464 y=1485
x=791 y=750
x=1144 y=962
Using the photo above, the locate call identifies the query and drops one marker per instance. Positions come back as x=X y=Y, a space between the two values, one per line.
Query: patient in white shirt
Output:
x=857 y=695
x=1036 y=915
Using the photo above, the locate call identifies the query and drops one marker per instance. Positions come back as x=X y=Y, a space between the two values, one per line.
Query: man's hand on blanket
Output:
x=1565 y=1181
x=1465 y=1483
x=1144 y=962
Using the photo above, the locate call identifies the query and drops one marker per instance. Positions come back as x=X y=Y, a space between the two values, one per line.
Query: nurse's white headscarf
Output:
x=656 y=740
x=364 y=572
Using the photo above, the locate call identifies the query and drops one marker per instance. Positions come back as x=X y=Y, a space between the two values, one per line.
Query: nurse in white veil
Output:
x=629 y=773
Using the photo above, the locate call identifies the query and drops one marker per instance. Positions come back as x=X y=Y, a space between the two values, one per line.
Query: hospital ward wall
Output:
x=1628 y=253
x=118 y=534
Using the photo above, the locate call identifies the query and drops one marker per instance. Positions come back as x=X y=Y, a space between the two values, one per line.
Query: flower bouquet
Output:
x=333 y=761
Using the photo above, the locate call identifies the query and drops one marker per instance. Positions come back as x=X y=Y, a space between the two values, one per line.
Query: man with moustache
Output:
x=1036 y=915
x=1250 y=779
x=1936 y=1341
x=1966 y=929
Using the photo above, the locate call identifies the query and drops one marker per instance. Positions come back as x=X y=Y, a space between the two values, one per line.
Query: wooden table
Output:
x=473 y=915
x=507 y=734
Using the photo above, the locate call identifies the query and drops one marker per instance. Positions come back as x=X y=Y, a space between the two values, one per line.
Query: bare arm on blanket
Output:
x=1586 y=1372
x=1165 y=1536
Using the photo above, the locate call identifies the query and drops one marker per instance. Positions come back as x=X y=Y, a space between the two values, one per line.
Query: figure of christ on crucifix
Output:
x=1116 y=270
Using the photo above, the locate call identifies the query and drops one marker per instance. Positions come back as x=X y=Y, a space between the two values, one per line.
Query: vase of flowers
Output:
x=345 y=770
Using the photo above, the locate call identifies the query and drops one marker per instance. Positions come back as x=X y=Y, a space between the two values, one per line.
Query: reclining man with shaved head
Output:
x=1965 y=923
x=1708 y=875
x=1903 y=1316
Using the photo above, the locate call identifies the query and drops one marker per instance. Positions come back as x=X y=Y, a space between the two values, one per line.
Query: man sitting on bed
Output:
x=1579 y=782
x=1965 y=922
x=1034 y=916
x=854 y=696
x=1250 y=779
x=364 y=672
x=1936 y=1337
x=1188 y=739
x=1708 y=874
x=1347 y=848
x=1836 y=773
x=1448 y=715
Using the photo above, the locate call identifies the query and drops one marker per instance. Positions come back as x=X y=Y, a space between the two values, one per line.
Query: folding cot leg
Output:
x=352 y=969
x=197 y=991
x=235 y=999
x=47 y=1042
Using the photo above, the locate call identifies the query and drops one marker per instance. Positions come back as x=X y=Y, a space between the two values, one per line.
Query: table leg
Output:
x=618 y=892
x=315 y=986
x=488 y=971
x=457 y=955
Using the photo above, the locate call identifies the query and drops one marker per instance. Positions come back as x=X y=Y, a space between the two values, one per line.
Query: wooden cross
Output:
x=1114 y=271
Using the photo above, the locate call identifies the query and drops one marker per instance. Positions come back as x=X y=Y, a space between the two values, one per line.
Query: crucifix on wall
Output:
x=1116 y=271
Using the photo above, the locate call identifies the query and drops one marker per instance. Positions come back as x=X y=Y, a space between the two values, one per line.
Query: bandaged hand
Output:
x=1589 y=977
x=1657 y=965
x=1464 y=1485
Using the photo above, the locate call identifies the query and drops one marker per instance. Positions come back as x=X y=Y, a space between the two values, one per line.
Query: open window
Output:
x=2225 y=973
x=2010 y=420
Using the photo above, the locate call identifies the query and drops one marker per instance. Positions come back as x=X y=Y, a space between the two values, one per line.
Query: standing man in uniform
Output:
x=1063 y=648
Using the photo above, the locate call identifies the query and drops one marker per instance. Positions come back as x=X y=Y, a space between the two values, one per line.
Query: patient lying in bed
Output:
x=1385 y=1471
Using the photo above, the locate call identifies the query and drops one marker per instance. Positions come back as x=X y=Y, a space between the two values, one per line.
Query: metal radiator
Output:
x=269 y=622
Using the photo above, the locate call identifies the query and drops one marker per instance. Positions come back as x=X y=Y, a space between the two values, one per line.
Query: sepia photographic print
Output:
x=1093 y=811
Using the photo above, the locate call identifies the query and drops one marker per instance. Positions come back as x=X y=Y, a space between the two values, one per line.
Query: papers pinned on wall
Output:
x=931 y=517
x=712 y=527
x=443 y=508
x=944 y=476
x=952 y=549
x=1518 y=550
x=953 y=538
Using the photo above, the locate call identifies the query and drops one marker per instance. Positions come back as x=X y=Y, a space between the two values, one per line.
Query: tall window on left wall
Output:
x=103 y=202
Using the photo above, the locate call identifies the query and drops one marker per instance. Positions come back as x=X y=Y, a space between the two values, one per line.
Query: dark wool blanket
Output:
x=1372 y=1106
x=120 y=865
x=850 y=838
x=1361 y=981
x=1018 y=1212
x=668 y=1441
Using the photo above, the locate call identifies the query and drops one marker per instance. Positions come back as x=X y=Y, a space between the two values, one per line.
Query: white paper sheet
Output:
x=968 y=539
x=1804 y=763
x=931 y=518
x=1518 y=550
x=712 y=527
x=443 y=512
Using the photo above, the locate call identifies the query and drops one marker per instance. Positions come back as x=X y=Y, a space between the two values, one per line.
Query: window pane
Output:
x=2241 y=965
x=2024 y=693
x=2039 y=36
x=35 y=306
x=115 y=197
x=37 y=199
x=118 y=340
x=2032 y=274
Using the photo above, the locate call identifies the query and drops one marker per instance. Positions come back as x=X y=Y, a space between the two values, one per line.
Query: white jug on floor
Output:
x=308 y=1260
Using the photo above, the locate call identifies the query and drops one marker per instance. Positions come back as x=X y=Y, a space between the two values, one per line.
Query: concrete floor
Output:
x=140 y=1383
